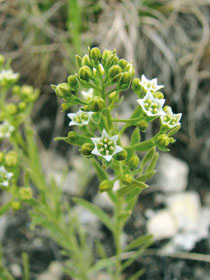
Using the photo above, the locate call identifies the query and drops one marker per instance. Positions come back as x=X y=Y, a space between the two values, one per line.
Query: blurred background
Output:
x=167 y=39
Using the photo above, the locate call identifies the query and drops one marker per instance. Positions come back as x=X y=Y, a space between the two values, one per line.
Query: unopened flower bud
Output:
x=16 y=89
x=85 y=73
x=11 y=159
x=133 y=162
x=22 y=106
x=167 y=109
x=158 y=94
x=172 y=140
x=143 y=125
x=11 y=108
x=113 y=95
x=96 y=104
x=123 y=63
x=66 y=106
x=85 y=60
x=16 y=205
x=125 y=80
x=105 y=186
x=106 y=54
x=86 y=149
x=127 y=179
x=63 y=90
x=114 y=72
x=26 y=193
x=163 y=140
x=121 y=155
x=78 y=60
x=130 y=69
x=136 y=86
x=72 y=136
x=73 y=82
x=1 y=157
x=95 y=54
x=101 y=69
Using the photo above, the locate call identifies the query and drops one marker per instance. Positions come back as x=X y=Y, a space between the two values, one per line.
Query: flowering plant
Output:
x=122 y=168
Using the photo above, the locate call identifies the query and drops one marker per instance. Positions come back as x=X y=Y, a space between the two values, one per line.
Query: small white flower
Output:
x=106 y=146
x=4 y=176
x=170 y=119
x=151 y=106
x=150 y=85
x=80 y=118
x=87 y=95
x=8 y=76
x=6 y=129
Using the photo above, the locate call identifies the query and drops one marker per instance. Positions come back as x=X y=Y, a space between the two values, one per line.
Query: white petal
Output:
x=108 y=157
x=96 y=152
x=95 y=140
x=117 y=149
x=71 y=115
x=114 y=138
x=104 y=134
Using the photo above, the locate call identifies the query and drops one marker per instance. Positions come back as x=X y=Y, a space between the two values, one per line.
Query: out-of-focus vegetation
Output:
x=168 y=38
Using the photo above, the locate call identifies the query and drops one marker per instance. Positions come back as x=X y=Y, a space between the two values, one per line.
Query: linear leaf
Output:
x=102 y=216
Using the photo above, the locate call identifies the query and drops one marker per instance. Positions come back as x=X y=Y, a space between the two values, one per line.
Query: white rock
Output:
x=186 y=209
x=103 y=201
x=55 y=272
x=162 y=225
x=172 y=175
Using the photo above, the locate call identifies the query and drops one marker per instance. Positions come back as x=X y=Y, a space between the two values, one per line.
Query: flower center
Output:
x=82 y=117
x=151 y=106
x=106 y=146
x=170 y=120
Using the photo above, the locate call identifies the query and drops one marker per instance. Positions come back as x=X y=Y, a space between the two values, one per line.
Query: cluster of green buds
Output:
x=96 y=90
x=20 y=104
x=16 y=104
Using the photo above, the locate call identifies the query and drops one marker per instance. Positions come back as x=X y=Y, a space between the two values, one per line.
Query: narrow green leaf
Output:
x=147 y=157
x=100 y=214
x=138 y=274
x=135 y=137
x=143 y=146
x=146 y=176
x=174 y=130
x=102 y=264
x=102 y=175
x=153 y=162
x=138 y=242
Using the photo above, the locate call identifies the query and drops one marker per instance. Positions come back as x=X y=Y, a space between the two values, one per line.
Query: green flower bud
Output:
x=11 y=159
x=85 y=73
x=105 y=186
x=101 y=69
x=136 y=87
x=26 y=193
x=96 y=104
x=115 y=60
x=158 y=94
x=127 y=179
x=133 y=162
x=72 y=136
x=121 y=155
x=143 y=125
x=86 y=149
x=16 y=89
x=73 y=82
x=130 y=69
x=66 y=106
x=114 y=72
x=172 y=140
x=22 y=106
x=78 y=60
x=95 y=54
x=85 y=60
x=11 y=108
x=1 y=60
x=123 y=63
x=167 y=109
x=16 y=205
x=1 y=157
x=106 y=54
x=63 y=90
x=125 y=80
x=114 y=95
x=111 y=60
x=163 y=140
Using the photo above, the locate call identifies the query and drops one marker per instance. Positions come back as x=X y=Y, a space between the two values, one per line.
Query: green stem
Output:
x=125 y=120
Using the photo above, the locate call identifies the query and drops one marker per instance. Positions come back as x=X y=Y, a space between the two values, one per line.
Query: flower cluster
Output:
x=96 y=90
